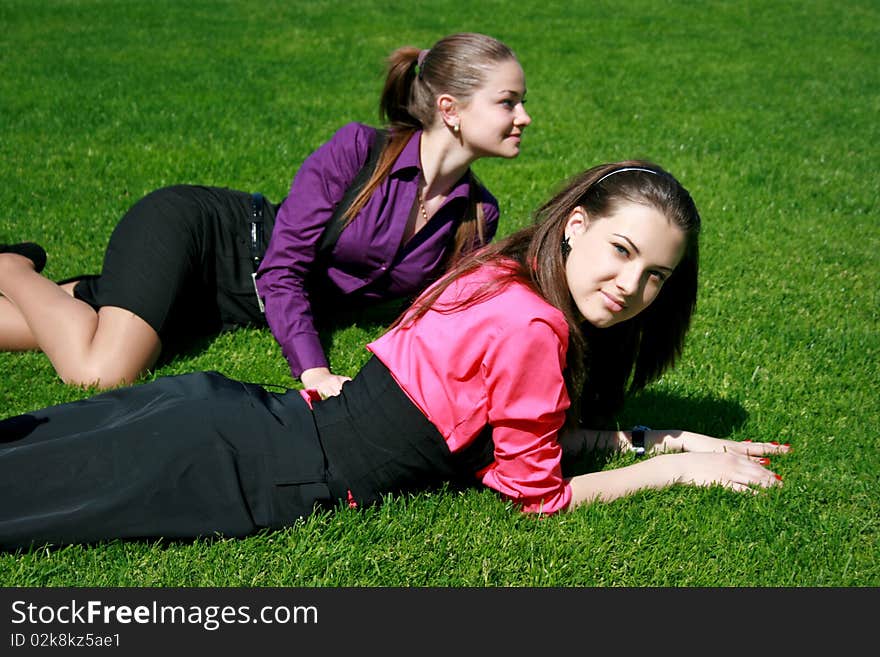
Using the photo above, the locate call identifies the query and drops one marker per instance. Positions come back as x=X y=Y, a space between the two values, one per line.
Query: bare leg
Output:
x=15 y=334
x=106 y=348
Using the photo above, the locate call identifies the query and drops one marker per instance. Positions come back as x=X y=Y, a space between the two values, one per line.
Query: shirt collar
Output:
x=409 y=156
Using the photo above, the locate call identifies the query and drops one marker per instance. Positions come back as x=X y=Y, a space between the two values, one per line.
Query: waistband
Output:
x=377 y=441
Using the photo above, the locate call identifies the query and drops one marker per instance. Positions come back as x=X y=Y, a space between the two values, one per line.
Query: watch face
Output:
x=638 y=440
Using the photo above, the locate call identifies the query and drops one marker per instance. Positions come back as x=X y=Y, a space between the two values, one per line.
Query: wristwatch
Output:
x=638 y=439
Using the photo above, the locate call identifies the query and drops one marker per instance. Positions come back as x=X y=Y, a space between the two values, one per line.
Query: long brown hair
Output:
x=457 y=65
x=602 y=364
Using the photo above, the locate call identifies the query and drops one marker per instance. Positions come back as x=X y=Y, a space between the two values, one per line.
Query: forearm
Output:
x=607 y=485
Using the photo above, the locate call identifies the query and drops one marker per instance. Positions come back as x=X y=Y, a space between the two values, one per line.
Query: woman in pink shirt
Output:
x=524 y=351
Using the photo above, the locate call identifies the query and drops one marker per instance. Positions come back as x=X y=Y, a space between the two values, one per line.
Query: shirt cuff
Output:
x=303 y=353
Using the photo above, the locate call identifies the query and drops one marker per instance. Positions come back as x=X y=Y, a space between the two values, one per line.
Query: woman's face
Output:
x=493 y=120
x=618 y=263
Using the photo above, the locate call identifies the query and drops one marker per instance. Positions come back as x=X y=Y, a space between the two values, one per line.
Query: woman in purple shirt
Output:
x=188 y=261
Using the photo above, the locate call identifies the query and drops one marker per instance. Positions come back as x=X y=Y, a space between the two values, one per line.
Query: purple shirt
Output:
x=368 y=264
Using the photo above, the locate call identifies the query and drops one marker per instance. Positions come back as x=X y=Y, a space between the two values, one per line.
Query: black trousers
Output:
x=201 y=454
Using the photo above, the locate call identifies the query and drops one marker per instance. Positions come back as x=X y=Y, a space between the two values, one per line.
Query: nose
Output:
x=523 y=118
x=629 y=280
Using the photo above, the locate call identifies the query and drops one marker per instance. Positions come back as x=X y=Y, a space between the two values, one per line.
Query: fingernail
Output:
x=777 y=476
x=786 y=444
x=764 y=461
x=747 y=441
x=773 y=442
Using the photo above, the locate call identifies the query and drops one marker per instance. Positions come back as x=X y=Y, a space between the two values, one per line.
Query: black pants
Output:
x=201 y=454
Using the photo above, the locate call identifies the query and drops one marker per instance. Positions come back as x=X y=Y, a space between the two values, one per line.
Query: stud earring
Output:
x=455 y=128
x=565 y=247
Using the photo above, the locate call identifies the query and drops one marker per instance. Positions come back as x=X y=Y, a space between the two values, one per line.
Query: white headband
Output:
x=611 y=173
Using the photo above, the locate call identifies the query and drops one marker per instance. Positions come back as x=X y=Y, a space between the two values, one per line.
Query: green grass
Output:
x=767 y=112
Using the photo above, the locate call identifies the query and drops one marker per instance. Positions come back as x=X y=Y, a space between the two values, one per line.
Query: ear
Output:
x=447 y=107
x=577 y=222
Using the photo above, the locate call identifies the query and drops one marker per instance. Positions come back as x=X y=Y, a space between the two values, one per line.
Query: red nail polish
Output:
x=747 y=441
x=786 y=444
x=777 y=476
x=773 y=442
x=764 y=461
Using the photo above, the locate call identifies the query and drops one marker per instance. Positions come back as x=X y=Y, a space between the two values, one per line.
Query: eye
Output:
x=508 y=103
x=658 y=276
x=622 y=250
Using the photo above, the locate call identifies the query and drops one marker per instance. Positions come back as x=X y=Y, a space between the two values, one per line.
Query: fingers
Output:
x=766 y=477
x=754 y=472
x=332 y=385
x=737 y=472
x=749 y=448
x=741 y=488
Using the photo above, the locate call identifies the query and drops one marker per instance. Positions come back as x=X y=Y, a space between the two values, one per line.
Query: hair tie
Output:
x=419 y=61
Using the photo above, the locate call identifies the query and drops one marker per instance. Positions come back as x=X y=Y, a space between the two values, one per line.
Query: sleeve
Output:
x=317 y=187
x=527 y=400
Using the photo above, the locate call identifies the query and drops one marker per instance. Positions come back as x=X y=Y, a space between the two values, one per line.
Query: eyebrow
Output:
x=636 y=249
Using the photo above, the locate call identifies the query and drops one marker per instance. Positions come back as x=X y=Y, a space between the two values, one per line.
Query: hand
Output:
x=734 y=464
x=734 y=471
x=324 y=381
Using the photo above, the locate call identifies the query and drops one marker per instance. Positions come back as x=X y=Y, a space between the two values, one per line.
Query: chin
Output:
x=507 y=153
x=603 y=321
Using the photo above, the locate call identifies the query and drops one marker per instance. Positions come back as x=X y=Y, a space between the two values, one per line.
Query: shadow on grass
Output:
x=183 y=349
x=368 y=318
x=662 y=410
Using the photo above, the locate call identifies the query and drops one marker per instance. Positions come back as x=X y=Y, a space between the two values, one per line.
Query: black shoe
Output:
x=34 y=252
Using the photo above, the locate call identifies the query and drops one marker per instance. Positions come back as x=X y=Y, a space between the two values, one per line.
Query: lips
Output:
x=613 y=304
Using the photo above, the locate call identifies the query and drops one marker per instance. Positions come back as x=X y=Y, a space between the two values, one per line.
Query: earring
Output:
x=565 y=247
x=455 y=128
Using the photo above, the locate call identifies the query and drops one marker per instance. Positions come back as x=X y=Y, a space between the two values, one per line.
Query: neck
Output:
x=443 y=160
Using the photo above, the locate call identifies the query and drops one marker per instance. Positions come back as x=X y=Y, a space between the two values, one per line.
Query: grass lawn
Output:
x=766 y=111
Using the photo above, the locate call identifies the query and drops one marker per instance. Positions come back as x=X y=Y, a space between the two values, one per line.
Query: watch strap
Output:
x=638 y=439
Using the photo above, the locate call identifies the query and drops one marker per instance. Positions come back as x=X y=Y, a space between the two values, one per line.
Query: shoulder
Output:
x=355 y=131
x=357 y=137
x=527 y=309
x=344 y=153
x=514 y=306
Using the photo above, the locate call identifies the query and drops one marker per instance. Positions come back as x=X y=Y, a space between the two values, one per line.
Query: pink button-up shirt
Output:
x=499 y=362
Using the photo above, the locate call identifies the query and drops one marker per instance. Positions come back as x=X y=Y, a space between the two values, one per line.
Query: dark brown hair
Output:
x=602 y=364
x=457 y=65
